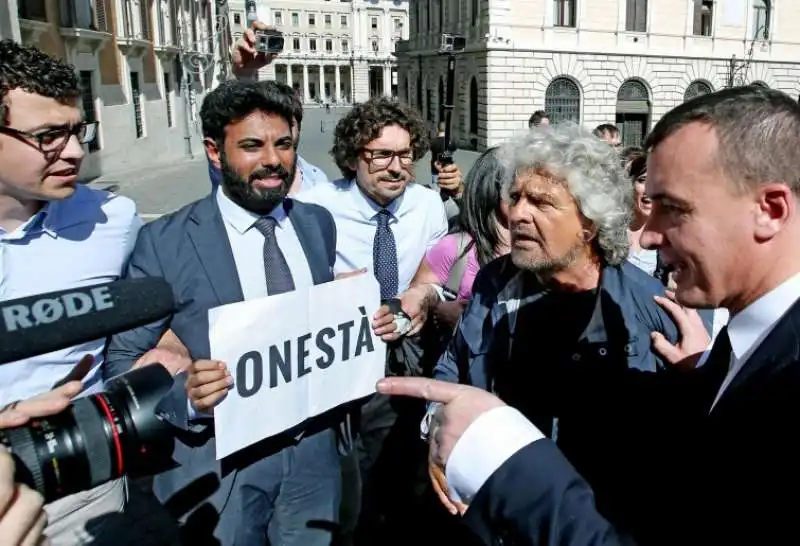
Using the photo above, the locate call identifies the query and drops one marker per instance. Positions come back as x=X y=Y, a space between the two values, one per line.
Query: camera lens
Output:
x=98 y=438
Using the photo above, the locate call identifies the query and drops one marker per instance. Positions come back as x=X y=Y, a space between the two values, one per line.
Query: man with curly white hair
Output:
x=561 y=328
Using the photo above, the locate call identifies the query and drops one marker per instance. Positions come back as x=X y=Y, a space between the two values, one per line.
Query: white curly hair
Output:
x=592 y=172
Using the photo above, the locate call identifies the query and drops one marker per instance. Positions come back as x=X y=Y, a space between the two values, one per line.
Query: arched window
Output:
x=633 y=112
x=562 y=101
x=473 y=106
x=696 y=89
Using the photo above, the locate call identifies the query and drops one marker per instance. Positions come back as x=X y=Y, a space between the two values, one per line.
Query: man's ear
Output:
x=213 y=152
x=589 y=231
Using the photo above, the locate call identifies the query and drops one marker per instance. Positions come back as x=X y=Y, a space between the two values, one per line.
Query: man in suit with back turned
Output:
x=247 y=241
x=724 y=177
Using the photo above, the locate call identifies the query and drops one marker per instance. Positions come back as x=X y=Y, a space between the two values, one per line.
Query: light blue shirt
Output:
x=646 y=260
x=311 y=175
x=418 y=222
x=80 y=241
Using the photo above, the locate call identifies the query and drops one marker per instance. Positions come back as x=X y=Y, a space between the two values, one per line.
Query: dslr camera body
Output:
x=269 y=41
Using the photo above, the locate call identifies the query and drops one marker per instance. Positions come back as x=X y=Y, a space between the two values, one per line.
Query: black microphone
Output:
x=38 y=324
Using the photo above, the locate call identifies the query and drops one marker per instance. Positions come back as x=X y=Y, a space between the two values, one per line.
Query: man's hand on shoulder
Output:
x=694 y=338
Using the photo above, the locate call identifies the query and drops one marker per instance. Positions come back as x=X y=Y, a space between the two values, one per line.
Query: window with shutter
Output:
x=761 y=15
x=636 y=16
x=137 y=104
x=87 y=102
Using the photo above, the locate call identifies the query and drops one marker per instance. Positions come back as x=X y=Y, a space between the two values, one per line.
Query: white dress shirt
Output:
x=84 y=240
x=498 y=434
x=247 y=244
x=754 y=323
x=418 y=222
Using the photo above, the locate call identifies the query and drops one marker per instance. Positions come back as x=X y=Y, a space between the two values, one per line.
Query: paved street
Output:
x=161 y=189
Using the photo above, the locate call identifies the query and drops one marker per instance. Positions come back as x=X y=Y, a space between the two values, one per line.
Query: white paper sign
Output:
x=294 y=356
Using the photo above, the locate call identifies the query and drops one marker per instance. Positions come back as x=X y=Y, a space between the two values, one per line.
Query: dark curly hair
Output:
x=32 y=70
x=234 y=100
x=364 y=123
x=271 y=86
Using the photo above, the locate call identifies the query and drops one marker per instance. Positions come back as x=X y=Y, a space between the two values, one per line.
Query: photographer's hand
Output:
x=22 y=519
x=48 y=403
x=450 y=179
x=244 y=57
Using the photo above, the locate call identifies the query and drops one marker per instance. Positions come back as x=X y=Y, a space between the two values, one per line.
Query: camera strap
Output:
x=460 y=264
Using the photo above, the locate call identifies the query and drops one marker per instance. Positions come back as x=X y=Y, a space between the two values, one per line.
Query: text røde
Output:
x=49 y=310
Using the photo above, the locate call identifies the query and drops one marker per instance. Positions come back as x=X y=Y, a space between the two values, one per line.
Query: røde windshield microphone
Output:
x=39 y=324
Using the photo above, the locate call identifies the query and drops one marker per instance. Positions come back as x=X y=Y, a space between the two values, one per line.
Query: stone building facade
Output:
x=335 y=52
x=128 y=55
x=592 y=61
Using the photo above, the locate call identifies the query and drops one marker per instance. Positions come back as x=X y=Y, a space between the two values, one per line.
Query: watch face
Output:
x=402 y=324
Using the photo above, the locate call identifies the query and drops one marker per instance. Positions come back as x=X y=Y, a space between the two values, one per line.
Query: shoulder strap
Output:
x=460 y=263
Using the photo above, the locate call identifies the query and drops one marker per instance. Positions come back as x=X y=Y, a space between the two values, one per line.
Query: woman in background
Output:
x=644 y=259
x=482 y=236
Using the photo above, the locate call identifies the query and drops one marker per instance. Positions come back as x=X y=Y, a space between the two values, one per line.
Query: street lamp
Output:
x=197 y=64
x=737 y=69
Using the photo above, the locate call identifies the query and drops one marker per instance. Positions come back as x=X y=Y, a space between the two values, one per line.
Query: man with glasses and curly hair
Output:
x=385 y=224
x=56 y=234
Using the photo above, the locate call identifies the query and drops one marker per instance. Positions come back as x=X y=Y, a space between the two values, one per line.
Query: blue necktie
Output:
x=384 y=257
x=276 y=270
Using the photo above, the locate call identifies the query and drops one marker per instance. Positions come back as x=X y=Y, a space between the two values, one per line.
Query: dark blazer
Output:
x=190 y=249
x=733 y=478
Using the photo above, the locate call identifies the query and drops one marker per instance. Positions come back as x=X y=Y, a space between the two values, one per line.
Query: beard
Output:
x=256 y=200
x=546 y=266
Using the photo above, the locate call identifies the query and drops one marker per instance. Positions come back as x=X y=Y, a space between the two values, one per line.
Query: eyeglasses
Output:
x=380 y=159
x=55 y=140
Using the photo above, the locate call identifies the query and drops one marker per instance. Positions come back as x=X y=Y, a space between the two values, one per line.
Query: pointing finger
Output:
x=420 y=387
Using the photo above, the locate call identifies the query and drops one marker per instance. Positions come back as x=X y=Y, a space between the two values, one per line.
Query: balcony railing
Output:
x=89 y=14
x=32 y=9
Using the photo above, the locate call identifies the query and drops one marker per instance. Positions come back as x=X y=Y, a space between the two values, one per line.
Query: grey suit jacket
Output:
x=190 y=249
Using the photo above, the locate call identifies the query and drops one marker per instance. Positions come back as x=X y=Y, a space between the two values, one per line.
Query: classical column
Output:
x=387 y=80
x=289 y=75
x=322 y=94
x=306 y=93
x=338 y=93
